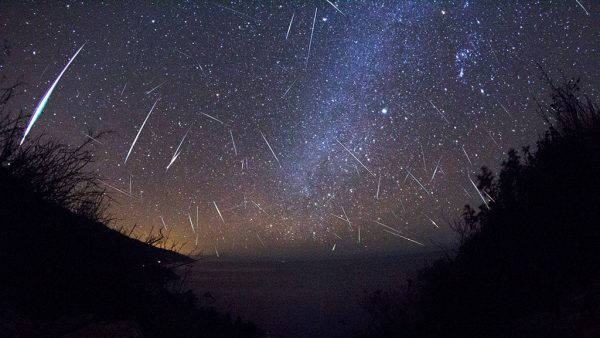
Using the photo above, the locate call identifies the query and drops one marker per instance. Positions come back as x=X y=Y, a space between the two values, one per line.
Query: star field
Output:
x=316 y=126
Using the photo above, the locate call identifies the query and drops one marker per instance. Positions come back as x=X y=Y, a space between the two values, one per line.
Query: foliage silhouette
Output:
x=64 y=272
x=529 y=264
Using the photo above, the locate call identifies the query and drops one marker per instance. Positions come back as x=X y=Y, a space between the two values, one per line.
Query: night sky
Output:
x=310 y=127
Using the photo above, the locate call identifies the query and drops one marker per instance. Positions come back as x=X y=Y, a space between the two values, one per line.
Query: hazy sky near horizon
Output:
x=296 y=126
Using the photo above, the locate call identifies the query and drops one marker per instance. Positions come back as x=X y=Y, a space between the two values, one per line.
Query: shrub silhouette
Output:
x=63 y=271
x=529 y=264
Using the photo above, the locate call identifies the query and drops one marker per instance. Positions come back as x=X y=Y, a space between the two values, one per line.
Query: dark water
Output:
x=302 y=298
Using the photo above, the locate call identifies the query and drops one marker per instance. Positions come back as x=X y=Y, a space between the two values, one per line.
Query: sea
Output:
x=302 y=297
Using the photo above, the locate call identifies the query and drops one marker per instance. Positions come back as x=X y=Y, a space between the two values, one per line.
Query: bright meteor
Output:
x=177 y=151
x=42 y=104
x=140 y=131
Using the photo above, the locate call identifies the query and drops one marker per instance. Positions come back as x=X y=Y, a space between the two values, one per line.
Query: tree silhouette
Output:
x=528 y=264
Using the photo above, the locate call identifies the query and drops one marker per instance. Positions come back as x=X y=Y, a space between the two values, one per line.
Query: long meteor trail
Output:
x=290 y=87
x=190 y=57
x=117 y=189
x=140 y=131
x=334 y=6
x=219 y=212
x=290 y=26
x=435 y=171
x=214 y=118
x=177 y=151
x=155 y=88
x=92 y=138
x=396 y=233
x=356 y=158
x=419 y=182
x=191 y=223
x=582 y=7
x=273 y=152
x=42 y=104
x=478 y=191
x=233 y=141
x=312 y=31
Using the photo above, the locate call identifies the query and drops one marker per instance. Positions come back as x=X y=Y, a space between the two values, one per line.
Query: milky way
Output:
x=317 y=126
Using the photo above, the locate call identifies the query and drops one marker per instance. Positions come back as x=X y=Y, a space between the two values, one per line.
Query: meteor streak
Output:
x=439 y=112
x=233 y=141
x=214 y=118
x=234 y=11
x=155 y=88
x=478 y=192
x=123 y=90
x=419 y=182
x=41 y=76
x=488 y=196
x=493 y=139
x=436 y=169
x=395 y=232
x=140 y=131
x=219 y=212
x=581 y=5
x=261 y=241
x=356 y=158
x=267 y=142
x=386 y=226
x=334 y=6
x=347 y=219
x=92 y=138
x=191 y=223
x=505 y=110
x=467 y=155
x=117 y=189
x=290 y=87
x=423 y=154
x=163 y=222
x=190 y=57
x=259 y=207
x=406 y=238
x=311 y=36
x=432 y=221
x=336 y=216
x=290 y=26
x=177 y=151
x=42 y=104
x=182 y=53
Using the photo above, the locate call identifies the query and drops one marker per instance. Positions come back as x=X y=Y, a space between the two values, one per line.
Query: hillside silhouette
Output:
x=64 y=273
x=529 y=264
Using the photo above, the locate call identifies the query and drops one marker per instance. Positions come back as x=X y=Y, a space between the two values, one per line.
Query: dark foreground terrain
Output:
x=64 y=273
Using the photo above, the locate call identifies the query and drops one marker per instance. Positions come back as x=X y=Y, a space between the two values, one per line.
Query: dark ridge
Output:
x=63 y=272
